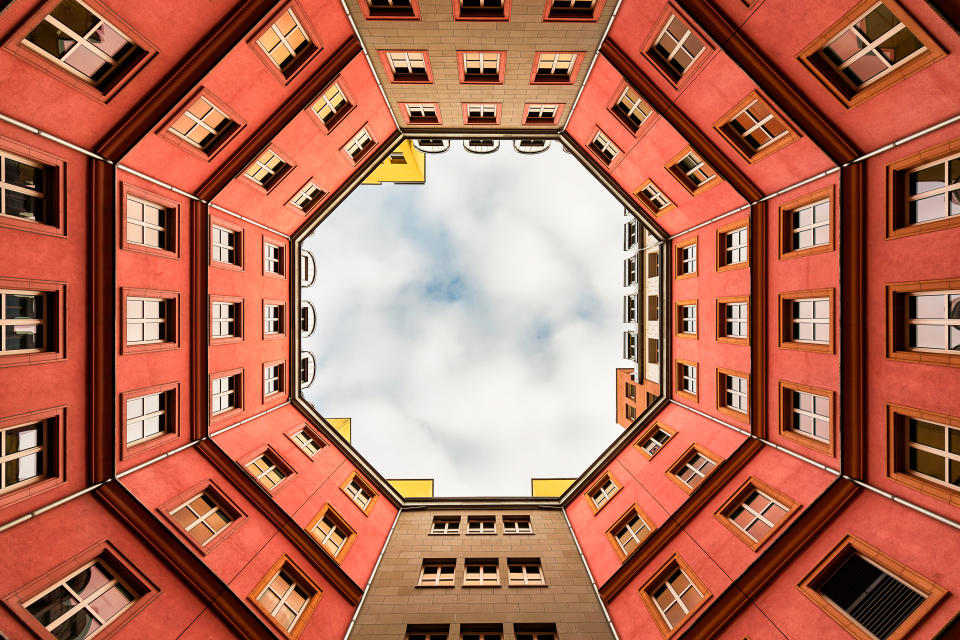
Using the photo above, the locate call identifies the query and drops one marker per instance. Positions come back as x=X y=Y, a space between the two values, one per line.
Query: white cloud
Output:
x=471 y=326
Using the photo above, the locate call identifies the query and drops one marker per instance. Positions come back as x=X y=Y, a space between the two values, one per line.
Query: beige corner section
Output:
x=342 y=425
x=549 y=487
x=413 y=488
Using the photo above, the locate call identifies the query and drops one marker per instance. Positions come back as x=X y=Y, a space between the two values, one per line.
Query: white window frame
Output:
x=675 y=596
x=25 y=325
x=541 y=111
x=200 y=122
x=945 y=321
x=604 y=147
x=656 y=197
x=761 y=124
x=138 y=420
x=9 y=186
x=358 y=143
x=284 y=41
x=294 y=586
x=432 y=573
x=678 y=45
x=635 y=534
x=530 y=573
x=224 y=317
x=272 y=319
x=477 y=63
x=163 y=213
x=327 y=530
x=688 y=319
x=327 y=101
x=144 y=321
x=735 y=393
x=484 y=525
x=654 y=442
x=557 y=64
x=200 y=519
x=407 y=63
x=306 y=196
x=735 y=325
x=307 y=443
x=688 y=378
x=223 y=394
x=41 y=449
x=604 y=493
x=273 y=258
x=796 y=229
x=699 y=174
x=755 y=515
x=224 y=245
x=796 y=398
x=260 y=172
x=262 y=476
x=516 y=525
x=481 y=573
x=688 y=259
x=696 y=471
x=736 y=245
x=636 y=111
x=359 y=493
x=272 y=379
x=445 y=525
x=422 y=111
x=813 y=321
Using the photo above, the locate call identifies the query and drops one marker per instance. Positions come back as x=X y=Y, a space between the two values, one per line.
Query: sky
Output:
x=471 y=326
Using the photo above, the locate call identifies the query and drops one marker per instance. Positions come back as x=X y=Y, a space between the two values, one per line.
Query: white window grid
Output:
x=810 y=320
x=359 y=494
x=89 y=55
x=688 y=378
x=758 y=126
x=309 y=194
x=330 y=103
x=479 y=573
x=22 y=185
x=272 y=379
x=656 y=441
x=755 y=512
x=630 y=271
x=146 y=223
x=330 y=535
x=695 y=169
x=630 y=234
x=307 y=443
x=446 y=526
x=656 y=197
x=524 y=572
x=555 y=64
x=223 y=245
x=308 y=367
x=223 y=319
x=23 y=454
x=206 y=518
x=265 y=168
x=405 y=63
x=676 y=592
x=482 y=111
x=223 y=394
x=630 y=345
x=736 y=243
x=85 y=605
x=853 y=46
x=695 y=469
x=810 y=225
x=933 y=190
x=23 y=332
x=481 y=63
x=933 y=321
x=516 y=525
x=358 y=143
x=438 y=573
x=631 y=534
x=633 y=108
x=481 y=525
x=810 y=415
x=735 y=319
x=678 y=46
x=631 y=308
x=284 y=600
x=421 y=111
x=925 y=449
x=308 y=318
x=272 y=258
x=146 y=416
x=688 y=259
x=688 y=319
x=541 y=111
x=265 y=471
x=146 y=320
x=735 y=393
x=284 y=39
x=272 y=319
x=602 y=494
x=605 y=147
x=201 y=123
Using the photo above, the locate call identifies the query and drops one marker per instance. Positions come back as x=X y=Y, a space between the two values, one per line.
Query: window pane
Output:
x=52 y=606
x=927 y=463
x=111 y=602
x=80 y=625
x=75 y=16
x=926 y=209
x=23 y=175
x=927 y=433
x=926 y=179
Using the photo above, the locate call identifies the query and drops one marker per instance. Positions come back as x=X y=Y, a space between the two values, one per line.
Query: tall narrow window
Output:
x=148 y=416
x=631 y=308
x=631 y=271
x=267 y=170
x=286 y=596
x=224 y=394
x=806 y=415
x=224 y=318
x=408 y=66
x=481 y=573
x=148 y=224
x=24 y=454
x=272 y=379
x=555 y=67
x=273 y=259
x=676 y=48
x=687 y=378
x=732 y=320
x=732 y=392
x=687 y=319
x=147 y=320
x=525 y=572
x=225 y=245
x=333 y=533
x=732 y=248
x=630 y=234
x=202 y=125
x=265 y=470
x=630 y=346
x=202 y=517
x=24 y=321
x=632 y=109
x=331 y=106
x=692 y=172
x=272 y=319
x=673 y=594
x=25 y=188
x=286 y=42
x=437 y=573
x=687 y=259
x=604 y=147
x=84 y=44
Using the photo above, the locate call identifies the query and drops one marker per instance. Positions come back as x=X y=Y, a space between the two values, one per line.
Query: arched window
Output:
x=308 y=268
x=308 y=369
x=308 y=318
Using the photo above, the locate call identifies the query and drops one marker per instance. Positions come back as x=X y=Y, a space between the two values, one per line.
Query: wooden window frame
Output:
x=751 y=484
x=550 y=14
x=364 y=151
x=365 y=485
x=303 y=581
x=274 y=180
x=54 y=450
x=724 y=127
x=312 y=433
x=238 y=252
x=784 y=304
x=721 y=316
x=238 y=335
x=568 y=78
x=785 y=417
x=638 y=131
x=849 y=545
x=380 y=13
x=677 y=390
x=312 y=205
x=502 y=14
x=340 y=114
x=467 y=78
x=680 y=463
x=678 y=320
x=897 y=194
x=722 y=233
x=676 y=81
x=678 y=259
x=621 y=522
x=278 y=461
x=221 y=139
x=284 y=375
x=301 y=60
x=681 y=176
x=897 y=468
x=417 y=120
x=54 y=195
x=340 y=521
x=172 y=229
x=672 y=564
x=595 y=486
x=171 y=391
x=648 y=203
x=237 y=516
x=786 y=228
x=471 y=120
x=54 y=323
x=425 y=78
x=722 y=407
x=239 y=394
x=171 y=320
x=896 y=295
x=648 y=433
x=481 y=563
x=812 y=58
x=528 y=121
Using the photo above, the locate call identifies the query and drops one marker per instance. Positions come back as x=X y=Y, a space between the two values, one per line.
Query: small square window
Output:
x=273 y=379
x=602 y=491
x=267 y=170
x=225 y=394
x=225 y=319
x=673 y=594
x=755 y=511
x=360 y=493
x=629 y=532
x=805 y=321
x=525 y=572
x=148 y=224
x=226 y=246
x=482 y=66
x=267 y=470
x=654 y=439
x=332 y=532
x=653 y=199
x=733 y=393
x=202 y=517
x=692 y=172
x=331 y=106
x=359 y=145
x=687 y=319
x=481 y=573
x=486 y=525
x=555 y=68
x=407 y=66
x=676 y=48
x=437 y=573
x=445 y=525
x=203 y=125
x=516 y=525
x=286 y=43
x=604 y=148
x=732 y=320
x=692 y=468
x=287 y=597
x=632 y=109
x=754 y=129
x=732 y=247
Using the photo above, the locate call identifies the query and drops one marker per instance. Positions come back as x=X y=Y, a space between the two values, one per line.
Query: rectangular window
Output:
x=653 y=350
x=486 y=525
x=481 y=66
x=202 y=517
x=630 y=390
x=676 y=48
x=631 y=308
x=286 y=596
x=732 y=247
x=331 y=106
x=687 y=259
x=632 y=109
x=933 y=321
x=25 y=318
x=390 y=9
x=630 y=345
x=692 y=172
x=202 y=125
x=757 y=514
x=628 y=532
x=84 y=602
x=687 y=378
x=630 y=412
x=541 y=114
x=308 y=197
x=272 y=319
x=481 y=573
x=427 y=632
x=687 y=319
x=480 y=9
x=604 y=147
x=360 y=492
x=307 y=442
x=359 y=144
x=273 y=259
x=754 y=129
x=806 y=416
x=437 y=573
x=516 y=525
x=732 y=393
x=933 y=452
x=482 y=113
x=419 y=113
x=408 y=66
x=651 y=197
x=272 y=379
x=148 y=224
x=653 y=264
x=449 y=525
x=925 y=195
x=266 y=471
x=25 y=189
x=571 y=9
x=85 y=45
x=481 y=632
x=631 y=234
x=602 y=492
x=225 y=245
x=673 y=594
x=224 y=319
x=333 y=533
x=147 y=416
x=224 y=394
x=147 y=320
x=690 y=470
x=810 y=226
x=651 y=442
x=807 y=321
x=554 y=67
x=286 y=43
x=732 y=321
x=525 y=573
x=267 y=170
x=25 y=454
x=630 y=271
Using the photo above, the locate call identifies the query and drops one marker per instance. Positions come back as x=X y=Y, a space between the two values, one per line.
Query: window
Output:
x=805 y=228
x=25 y=454
x=307 y=442
x=446 y=525
x=687 y=319
x=632 y=110
x=630 y=272
x=272 y=379
x=149 y=224
x=481 y=9
x=397 y=157
x=516 y=525
x=25 y=318
x=408 y=66
x=481 y=632
x=630 y=234
x=732 y=391
x=308 y=268
x=687 y=378
x=806 y=415
x=308 y=318
x=390 y=9
x=602 y=491
x=225 y=245
x=526 y=145
x=628 y=532
x=692 y=172
x=604 y=148
x=653 y=264
x=286 y=596
x=687 y=259
x=630 y=412
x=869 y=593
x=870 y=49
x=481 y=145
x=267 y=170
x=225 y=394
x=653 y=350
x=25 y=189
x=924 y=451
x=555 y=67
x=572 y=9
x=673 y=594
x=654 y=439
x=359 y=144
x=805 y=321
x=360 y=492
x=273 y=259
x=924 y=194
x=308 y=367
x=676 y=48
x=933 y=321
x=732 y=246
x=85 y=45
x=202 y=517
x=420 y=113
x=630 y=345
x=631 y=305
x=265 y=470
x=331 y=106
x=85 y=601
x=332 y=532
x=754 y=511
x=147 y=320
x=272 y=319
x=481 y=573
x=203 y=125
x=630 y=390
x=308 y=197
x=525 y=573
x=486 y=525
x=427 y=632
x=535 y=631
x=692 y=467
x=437 y=573
x=147 y=416
x=481 y=66
x=541 y=113
x=754 y=129
x=286 y=43
x=481 y=113
x=653 y=308
x=224 y=319
x=431 y=145
x=732 y=320
x=651 y=197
